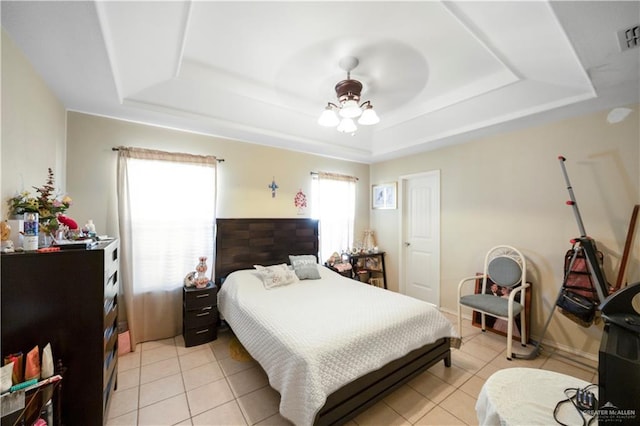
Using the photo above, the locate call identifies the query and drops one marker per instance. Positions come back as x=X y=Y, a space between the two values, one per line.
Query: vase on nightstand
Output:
x=201 y=279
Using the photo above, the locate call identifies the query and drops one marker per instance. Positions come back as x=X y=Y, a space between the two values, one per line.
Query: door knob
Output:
x=406 y=244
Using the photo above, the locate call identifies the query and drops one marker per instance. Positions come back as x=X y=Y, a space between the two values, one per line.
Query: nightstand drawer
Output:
x=200 y=317
x=199 y=335
x=198 y=298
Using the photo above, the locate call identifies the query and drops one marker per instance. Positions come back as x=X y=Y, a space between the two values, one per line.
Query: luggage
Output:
x=579 y=299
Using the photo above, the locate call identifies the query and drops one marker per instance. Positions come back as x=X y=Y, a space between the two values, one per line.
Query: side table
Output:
x=199 y=314
x=370 y=265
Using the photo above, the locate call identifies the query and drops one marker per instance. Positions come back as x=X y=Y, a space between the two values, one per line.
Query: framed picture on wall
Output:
x=383 y=196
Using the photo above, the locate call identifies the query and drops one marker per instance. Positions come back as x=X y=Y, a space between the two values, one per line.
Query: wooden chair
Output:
x=507 y=267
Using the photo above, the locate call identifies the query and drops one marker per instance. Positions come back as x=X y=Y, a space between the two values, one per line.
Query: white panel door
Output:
x=422 y=237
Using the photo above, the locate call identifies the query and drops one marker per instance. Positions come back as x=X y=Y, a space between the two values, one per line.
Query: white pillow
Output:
x=276 y=275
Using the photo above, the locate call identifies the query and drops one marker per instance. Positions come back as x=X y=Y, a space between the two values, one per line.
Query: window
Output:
x=333 y=199
x=172 y=221
x=166 y=213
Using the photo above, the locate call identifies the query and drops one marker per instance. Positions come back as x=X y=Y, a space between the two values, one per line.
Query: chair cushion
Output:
x=504 y=271
x=488 y=303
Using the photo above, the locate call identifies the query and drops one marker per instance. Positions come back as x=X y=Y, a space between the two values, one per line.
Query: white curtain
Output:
x=334 y=205
x=166 y=214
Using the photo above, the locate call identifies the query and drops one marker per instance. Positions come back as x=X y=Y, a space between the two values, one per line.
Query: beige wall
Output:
x=33 y=127
x=244 y=176
x=509 y=189
x=502 y=189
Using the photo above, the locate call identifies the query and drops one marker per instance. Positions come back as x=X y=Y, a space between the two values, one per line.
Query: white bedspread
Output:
x=314 y=336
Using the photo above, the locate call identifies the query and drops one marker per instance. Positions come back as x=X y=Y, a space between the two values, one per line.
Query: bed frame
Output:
x=241 y=243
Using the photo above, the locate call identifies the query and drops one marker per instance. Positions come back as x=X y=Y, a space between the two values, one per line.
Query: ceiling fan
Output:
x=348 y=107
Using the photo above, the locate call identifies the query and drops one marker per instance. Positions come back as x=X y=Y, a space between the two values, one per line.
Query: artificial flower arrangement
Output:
x=49 y=206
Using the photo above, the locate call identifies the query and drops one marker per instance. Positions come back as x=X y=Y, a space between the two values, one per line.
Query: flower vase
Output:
x=201 y=280
x=45 y=239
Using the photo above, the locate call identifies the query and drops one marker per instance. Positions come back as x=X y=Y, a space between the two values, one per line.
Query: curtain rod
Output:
x=219 y=160
x=334 y=174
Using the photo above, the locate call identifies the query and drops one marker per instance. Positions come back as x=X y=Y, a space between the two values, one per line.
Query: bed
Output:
x=328 y=358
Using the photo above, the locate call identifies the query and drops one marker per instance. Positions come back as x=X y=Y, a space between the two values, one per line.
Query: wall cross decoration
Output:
x=273 y=186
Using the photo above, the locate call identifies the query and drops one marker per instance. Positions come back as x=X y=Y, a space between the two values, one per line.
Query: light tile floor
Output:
x=164 y=383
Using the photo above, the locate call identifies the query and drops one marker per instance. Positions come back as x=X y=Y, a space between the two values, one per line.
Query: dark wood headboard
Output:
x=242 y=243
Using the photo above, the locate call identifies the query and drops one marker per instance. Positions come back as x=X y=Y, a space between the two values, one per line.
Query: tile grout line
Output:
x=139 y=387
x=184 y=386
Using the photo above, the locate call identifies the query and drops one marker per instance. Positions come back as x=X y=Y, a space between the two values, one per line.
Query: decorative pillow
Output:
x=305 y=266
x=276 y=275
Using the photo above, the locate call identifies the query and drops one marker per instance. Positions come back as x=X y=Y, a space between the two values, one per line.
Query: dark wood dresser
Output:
x=70 y=299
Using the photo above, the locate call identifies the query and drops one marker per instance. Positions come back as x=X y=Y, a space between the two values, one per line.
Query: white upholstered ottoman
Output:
x=527 y=396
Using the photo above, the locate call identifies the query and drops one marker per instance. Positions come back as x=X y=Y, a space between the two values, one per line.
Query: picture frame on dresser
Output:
x=372 y=263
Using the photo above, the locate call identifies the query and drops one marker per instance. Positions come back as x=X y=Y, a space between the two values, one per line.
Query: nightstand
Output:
x=199 y=314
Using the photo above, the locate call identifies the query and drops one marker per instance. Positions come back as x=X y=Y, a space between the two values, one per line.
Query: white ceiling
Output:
x=436 y=72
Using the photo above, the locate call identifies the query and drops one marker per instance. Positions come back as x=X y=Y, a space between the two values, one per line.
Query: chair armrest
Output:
x=517 y=289
x=467 y=279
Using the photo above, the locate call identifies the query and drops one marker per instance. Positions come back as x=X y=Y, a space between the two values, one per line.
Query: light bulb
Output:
x=347 y=126
x=350 y=109
x=369 y=116
x=328 y=118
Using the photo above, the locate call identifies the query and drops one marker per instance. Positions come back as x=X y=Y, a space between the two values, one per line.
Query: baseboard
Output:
x=568 y=349
x=545 y=342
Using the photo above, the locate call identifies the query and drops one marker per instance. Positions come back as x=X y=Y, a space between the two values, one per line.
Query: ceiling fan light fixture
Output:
x=349 y=107
x=329 y=118
x=369 y=116
x=347 y=125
